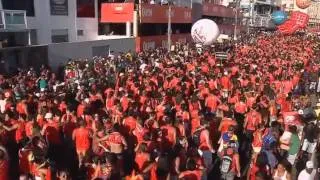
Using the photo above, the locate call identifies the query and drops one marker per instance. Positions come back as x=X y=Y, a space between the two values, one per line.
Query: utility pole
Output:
x=236 y=20
x=169 y=26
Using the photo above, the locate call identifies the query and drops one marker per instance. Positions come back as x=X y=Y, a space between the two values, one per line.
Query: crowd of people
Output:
x=158 y=115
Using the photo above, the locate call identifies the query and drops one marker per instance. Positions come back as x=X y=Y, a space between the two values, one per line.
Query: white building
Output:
x=52 y=21
x=35 y=32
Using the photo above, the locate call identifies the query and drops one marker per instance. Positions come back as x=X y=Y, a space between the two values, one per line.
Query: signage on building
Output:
x=117 y=12
x=159 y=14
x=59 y=7
x=210 y=9
x=151 y=42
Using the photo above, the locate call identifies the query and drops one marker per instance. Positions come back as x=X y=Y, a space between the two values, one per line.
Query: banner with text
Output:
x=59 y=7
x=117 y=12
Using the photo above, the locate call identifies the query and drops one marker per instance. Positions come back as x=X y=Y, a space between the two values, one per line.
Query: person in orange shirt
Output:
x=129 y=123
x=226 y=122
x=82 y=138
x=169 y=135
x=212 y=102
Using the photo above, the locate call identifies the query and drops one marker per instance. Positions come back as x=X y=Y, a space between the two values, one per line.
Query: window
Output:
x=80 y=32
x=59 y=35
x=85 y=8
x=27 y=5
x=33 y=37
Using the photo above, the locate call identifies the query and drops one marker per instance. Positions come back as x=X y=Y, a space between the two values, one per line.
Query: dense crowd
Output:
x=157 y=115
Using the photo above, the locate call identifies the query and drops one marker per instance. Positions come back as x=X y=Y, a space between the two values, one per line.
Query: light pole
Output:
x=169 y=25
x=236 y=20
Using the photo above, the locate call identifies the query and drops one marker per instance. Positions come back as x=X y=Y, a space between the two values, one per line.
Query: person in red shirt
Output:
x=226 y=123
x=129 y=123
x=234 y=168
x=212 y=102
x=82 y=138
x=169 y=135
x=192 y=173
x=4 y=164
x=205 y=144
x=142 y=157
x=18 y=127
x=252 y=120
x=51 y=130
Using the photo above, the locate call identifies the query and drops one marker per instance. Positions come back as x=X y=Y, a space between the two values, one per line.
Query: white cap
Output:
x=309 y=165
x=86 y=100
x=48 y=116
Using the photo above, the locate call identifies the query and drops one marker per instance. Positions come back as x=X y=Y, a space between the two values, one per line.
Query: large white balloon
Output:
x=205 y=32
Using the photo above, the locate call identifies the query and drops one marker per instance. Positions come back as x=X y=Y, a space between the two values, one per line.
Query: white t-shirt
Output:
x=306 y=176
x=3 y=105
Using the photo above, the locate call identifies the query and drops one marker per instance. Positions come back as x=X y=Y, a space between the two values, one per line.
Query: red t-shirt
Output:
x=20 y=132
x=4 y=170
x=51 y=131
x=240 y=107
x=82 y=139
x=130 y=124
x=191 y=175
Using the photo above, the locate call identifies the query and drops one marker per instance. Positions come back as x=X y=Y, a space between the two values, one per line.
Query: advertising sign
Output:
x=117 y=12
x=59 y=7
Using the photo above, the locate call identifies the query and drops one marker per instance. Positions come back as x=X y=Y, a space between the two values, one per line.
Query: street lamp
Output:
x=169 y=25
x=236 y=20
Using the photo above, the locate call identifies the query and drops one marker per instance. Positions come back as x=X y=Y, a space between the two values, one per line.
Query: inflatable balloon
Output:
x=205 y=32
x=279 y=17
x=302 y=4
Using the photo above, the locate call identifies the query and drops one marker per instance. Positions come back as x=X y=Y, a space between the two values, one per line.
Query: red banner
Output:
x=151 y=13
x=298 y=20
x=117 y=12
x=210 y=9
x=151 y=42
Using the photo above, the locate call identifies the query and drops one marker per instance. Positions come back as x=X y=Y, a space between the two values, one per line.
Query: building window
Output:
x=80 y=32
x=33 y=37
x=59 y=35
x=27 y=5
x=86 y=8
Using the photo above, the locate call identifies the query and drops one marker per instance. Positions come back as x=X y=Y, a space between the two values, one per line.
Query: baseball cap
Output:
x=48 y=116
x=309 y=165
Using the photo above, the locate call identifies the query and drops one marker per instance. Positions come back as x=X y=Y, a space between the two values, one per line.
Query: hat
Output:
x=86 y=100
x=48 y=116
x=309 y=165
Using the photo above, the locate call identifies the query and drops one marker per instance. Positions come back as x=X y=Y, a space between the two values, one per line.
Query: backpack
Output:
x=268 y=140
x=226 y=163
x=196 y=137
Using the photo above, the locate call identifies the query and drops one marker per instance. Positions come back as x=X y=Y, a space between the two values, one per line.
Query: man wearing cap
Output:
x=309 y=173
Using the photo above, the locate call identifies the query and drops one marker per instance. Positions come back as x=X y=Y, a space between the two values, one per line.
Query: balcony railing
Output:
x=13 y=20
x=262 y=20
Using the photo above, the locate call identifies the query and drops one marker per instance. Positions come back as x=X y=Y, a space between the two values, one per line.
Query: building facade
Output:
x=56 y=21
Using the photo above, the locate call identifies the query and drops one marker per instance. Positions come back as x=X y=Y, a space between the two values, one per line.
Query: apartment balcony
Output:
x=262 y=21
x=13 y=20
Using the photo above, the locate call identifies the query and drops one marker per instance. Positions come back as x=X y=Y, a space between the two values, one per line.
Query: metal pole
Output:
x=169 y=27
x=236 y=23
